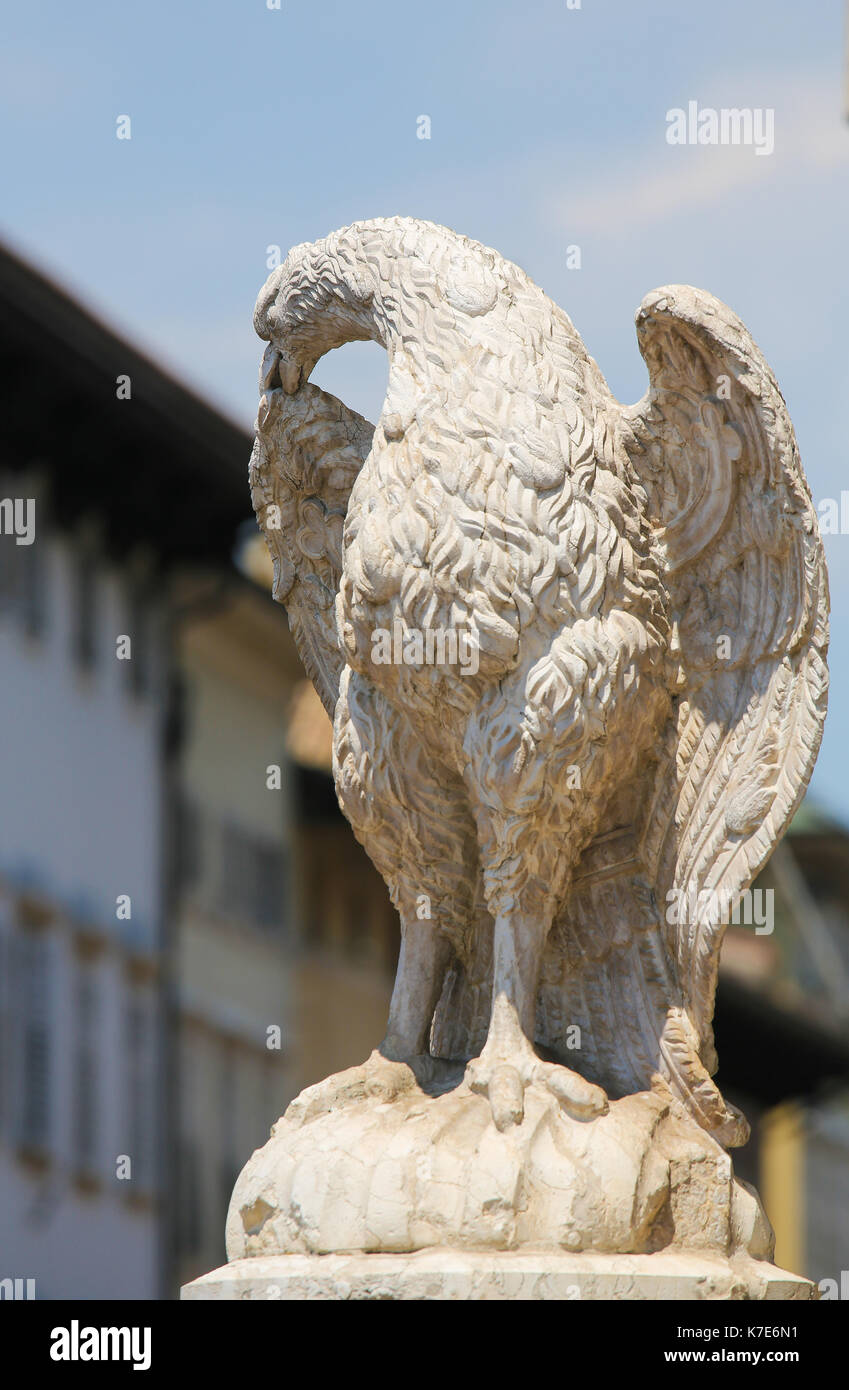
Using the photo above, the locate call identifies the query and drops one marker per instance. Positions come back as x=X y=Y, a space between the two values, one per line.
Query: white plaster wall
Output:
x=79 y=769
x=79 y=824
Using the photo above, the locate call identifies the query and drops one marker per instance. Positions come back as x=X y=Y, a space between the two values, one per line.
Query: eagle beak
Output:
x=290 y=373
x=279 y=368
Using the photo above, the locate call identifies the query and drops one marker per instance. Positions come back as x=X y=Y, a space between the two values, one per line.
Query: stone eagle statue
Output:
x=564 y=821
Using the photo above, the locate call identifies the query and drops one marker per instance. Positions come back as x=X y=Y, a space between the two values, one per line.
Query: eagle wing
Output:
x=714 y=447
x=714 y=450
x=306 y=457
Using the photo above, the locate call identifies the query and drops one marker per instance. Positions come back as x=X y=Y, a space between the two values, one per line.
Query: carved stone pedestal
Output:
x=488 y=1275
x=374 y=1186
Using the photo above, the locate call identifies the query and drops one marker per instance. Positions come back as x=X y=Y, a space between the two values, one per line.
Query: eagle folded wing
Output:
x=301 y=500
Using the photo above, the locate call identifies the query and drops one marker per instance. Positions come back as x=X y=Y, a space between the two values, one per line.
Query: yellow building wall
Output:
x=782 y=1183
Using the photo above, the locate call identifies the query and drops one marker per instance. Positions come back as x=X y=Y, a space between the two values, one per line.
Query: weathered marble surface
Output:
x=411 y=1168
x=565 y=805
x=565 y=822
x=489 y=1276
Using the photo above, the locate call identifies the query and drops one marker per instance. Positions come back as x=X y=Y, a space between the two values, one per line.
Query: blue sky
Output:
x=253 y=127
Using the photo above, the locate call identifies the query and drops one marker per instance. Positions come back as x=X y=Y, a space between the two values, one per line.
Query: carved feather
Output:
x=746 y=549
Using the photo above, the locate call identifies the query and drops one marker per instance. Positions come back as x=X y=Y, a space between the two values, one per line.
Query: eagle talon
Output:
x=506 y=1097
x=379 y=1077
x=504 y=1083
x=504 y=1087
x=578 y=1097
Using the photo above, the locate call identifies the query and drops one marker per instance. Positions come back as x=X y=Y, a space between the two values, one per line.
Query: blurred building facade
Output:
x=189 y=933
x=79 y=919
x=145 y=882
x=782 y=1026
x=233 y=902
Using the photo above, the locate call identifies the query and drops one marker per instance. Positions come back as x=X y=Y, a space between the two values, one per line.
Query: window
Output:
x=10 y=569
x=23 y=583
x=252 y=882
x=231 y=871
x=85 y=593
x=22 y=566
x=86 y=1072
x=139 y=631
x=191 y=1152
x=270 y=902
x=32 y=980
x=32 y=587
x=140 y=1055
x=235 y=875
x=190 y=1204
x=190 y=844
